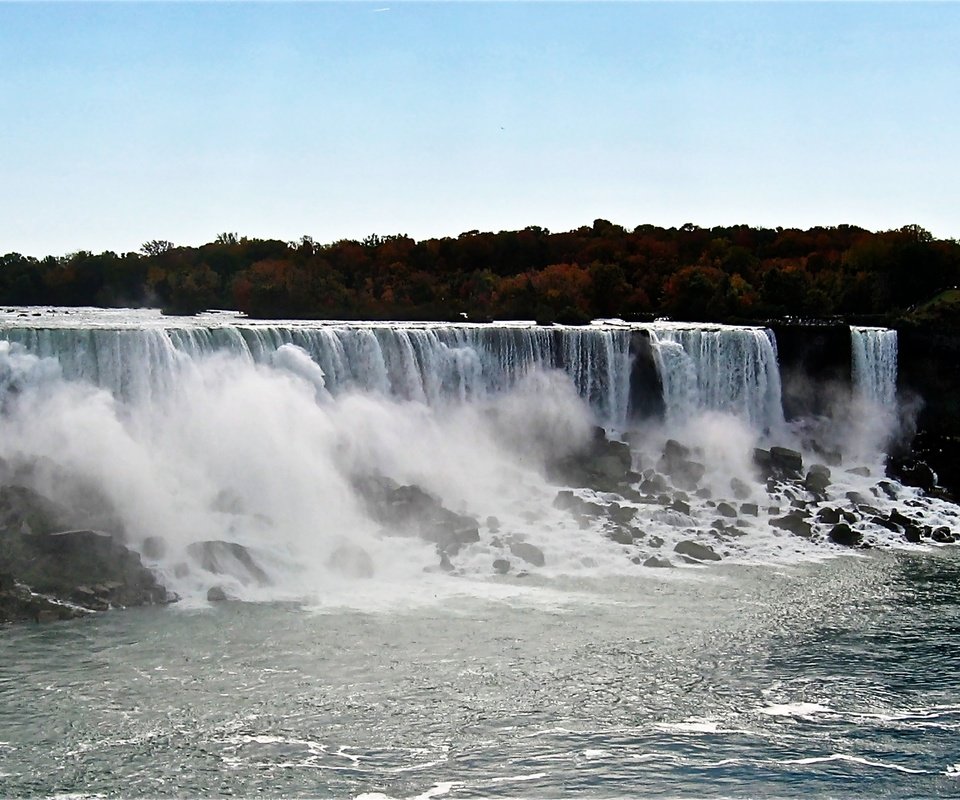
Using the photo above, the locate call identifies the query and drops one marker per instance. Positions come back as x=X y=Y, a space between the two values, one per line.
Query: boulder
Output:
x=750 y=509
x=657 y=563
x=843 y=534
x=220 y=557
x=829 y=515
x=726 y=510
x=795 y=522
x=501 y=566
x=528 y=552
x=351 y=560
x=943 y=535
x=215 y=594
x=863 y=472
x=786 y=461
x=740 y=489
x=696 y=551
x=818 y=479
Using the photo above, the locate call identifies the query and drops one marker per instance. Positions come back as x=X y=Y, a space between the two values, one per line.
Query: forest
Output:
x=738 y=273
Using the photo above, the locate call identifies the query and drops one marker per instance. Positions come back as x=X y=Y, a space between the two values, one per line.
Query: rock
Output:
x=857 y=499
x=681 y=506
x=829 y=515
x=843 y=534
x=885 y=523
x=351 y=560
x=912 y=472
x=943 y=535
x=215 y=594
x=750 y=509
x=863 y=472
x=696 y=551
x=621 y=514
x=672 y=449
x=153 y=548
x=786 y=461
x=445 y=563
x=657 y=563
x=493 y=524
x=763 y=461
x=620 y=536
x=795 y=522
x=528 y=552
x=655 y=484
x=818 y=478
x=726 y=510
x=740 y=489
x=228 y=558
x=501 y=566
x=704 y=493
x=886 y=488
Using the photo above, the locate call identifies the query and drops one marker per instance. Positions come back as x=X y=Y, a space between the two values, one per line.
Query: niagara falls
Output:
x=447 y=400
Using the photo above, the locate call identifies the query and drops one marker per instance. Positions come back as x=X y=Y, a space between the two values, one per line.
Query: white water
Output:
x=218 y=427
x=874 y=356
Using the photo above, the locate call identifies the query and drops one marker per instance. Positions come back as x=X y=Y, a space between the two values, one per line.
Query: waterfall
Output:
x=140 y=354
x=874 y=357
x=719 y=368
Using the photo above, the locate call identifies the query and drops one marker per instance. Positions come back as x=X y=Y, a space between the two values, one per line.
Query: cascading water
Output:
x=874 y=356
x=283 y=437
x=719 y=368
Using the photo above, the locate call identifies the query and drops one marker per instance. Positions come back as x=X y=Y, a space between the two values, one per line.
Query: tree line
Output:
x=602 y=270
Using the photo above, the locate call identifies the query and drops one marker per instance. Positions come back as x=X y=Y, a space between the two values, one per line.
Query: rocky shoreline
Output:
x=56 y=565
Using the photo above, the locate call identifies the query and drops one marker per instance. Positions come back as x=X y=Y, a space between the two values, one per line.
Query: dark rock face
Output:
x=818 y=479
x=844 y=535
x=788 y=462
x=813 y=358
x=529 y=553
x=795 y=522
x=412 y=511
x=228 y=558
x=696 y=551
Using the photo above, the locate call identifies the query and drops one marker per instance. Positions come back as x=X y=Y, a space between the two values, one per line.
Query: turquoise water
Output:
x=832 y=679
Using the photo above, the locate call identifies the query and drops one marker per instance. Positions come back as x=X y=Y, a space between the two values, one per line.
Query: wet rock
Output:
x=656 y=562
x=681 y=506
x=215 y=594
x=501 y=566
x=943 y=535
x=154 y=548
x=740 y=489
x=696 y=551
x=528 y=552
x=655 y=484
x=493 y=524
x=886 y=488
x=619 y=535
x=750 y=509
x=726 y=510
x=621 y=514
x=351 y=560
x=818 y=479
x=886 y=523
x=912 y=472
x=857 y=499
x=863 y=472
x=228 y=558
x=843 y=534
x=704 y=493
x=829 y=515
x=795 y=522
x=786 y=461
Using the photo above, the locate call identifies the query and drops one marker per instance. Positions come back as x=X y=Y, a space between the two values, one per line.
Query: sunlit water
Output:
x=823 y=679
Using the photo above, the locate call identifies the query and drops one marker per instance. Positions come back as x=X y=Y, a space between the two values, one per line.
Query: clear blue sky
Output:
x=125 y=122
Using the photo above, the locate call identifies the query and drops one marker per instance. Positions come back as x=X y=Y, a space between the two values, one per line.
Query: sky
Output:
x=126 y=122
